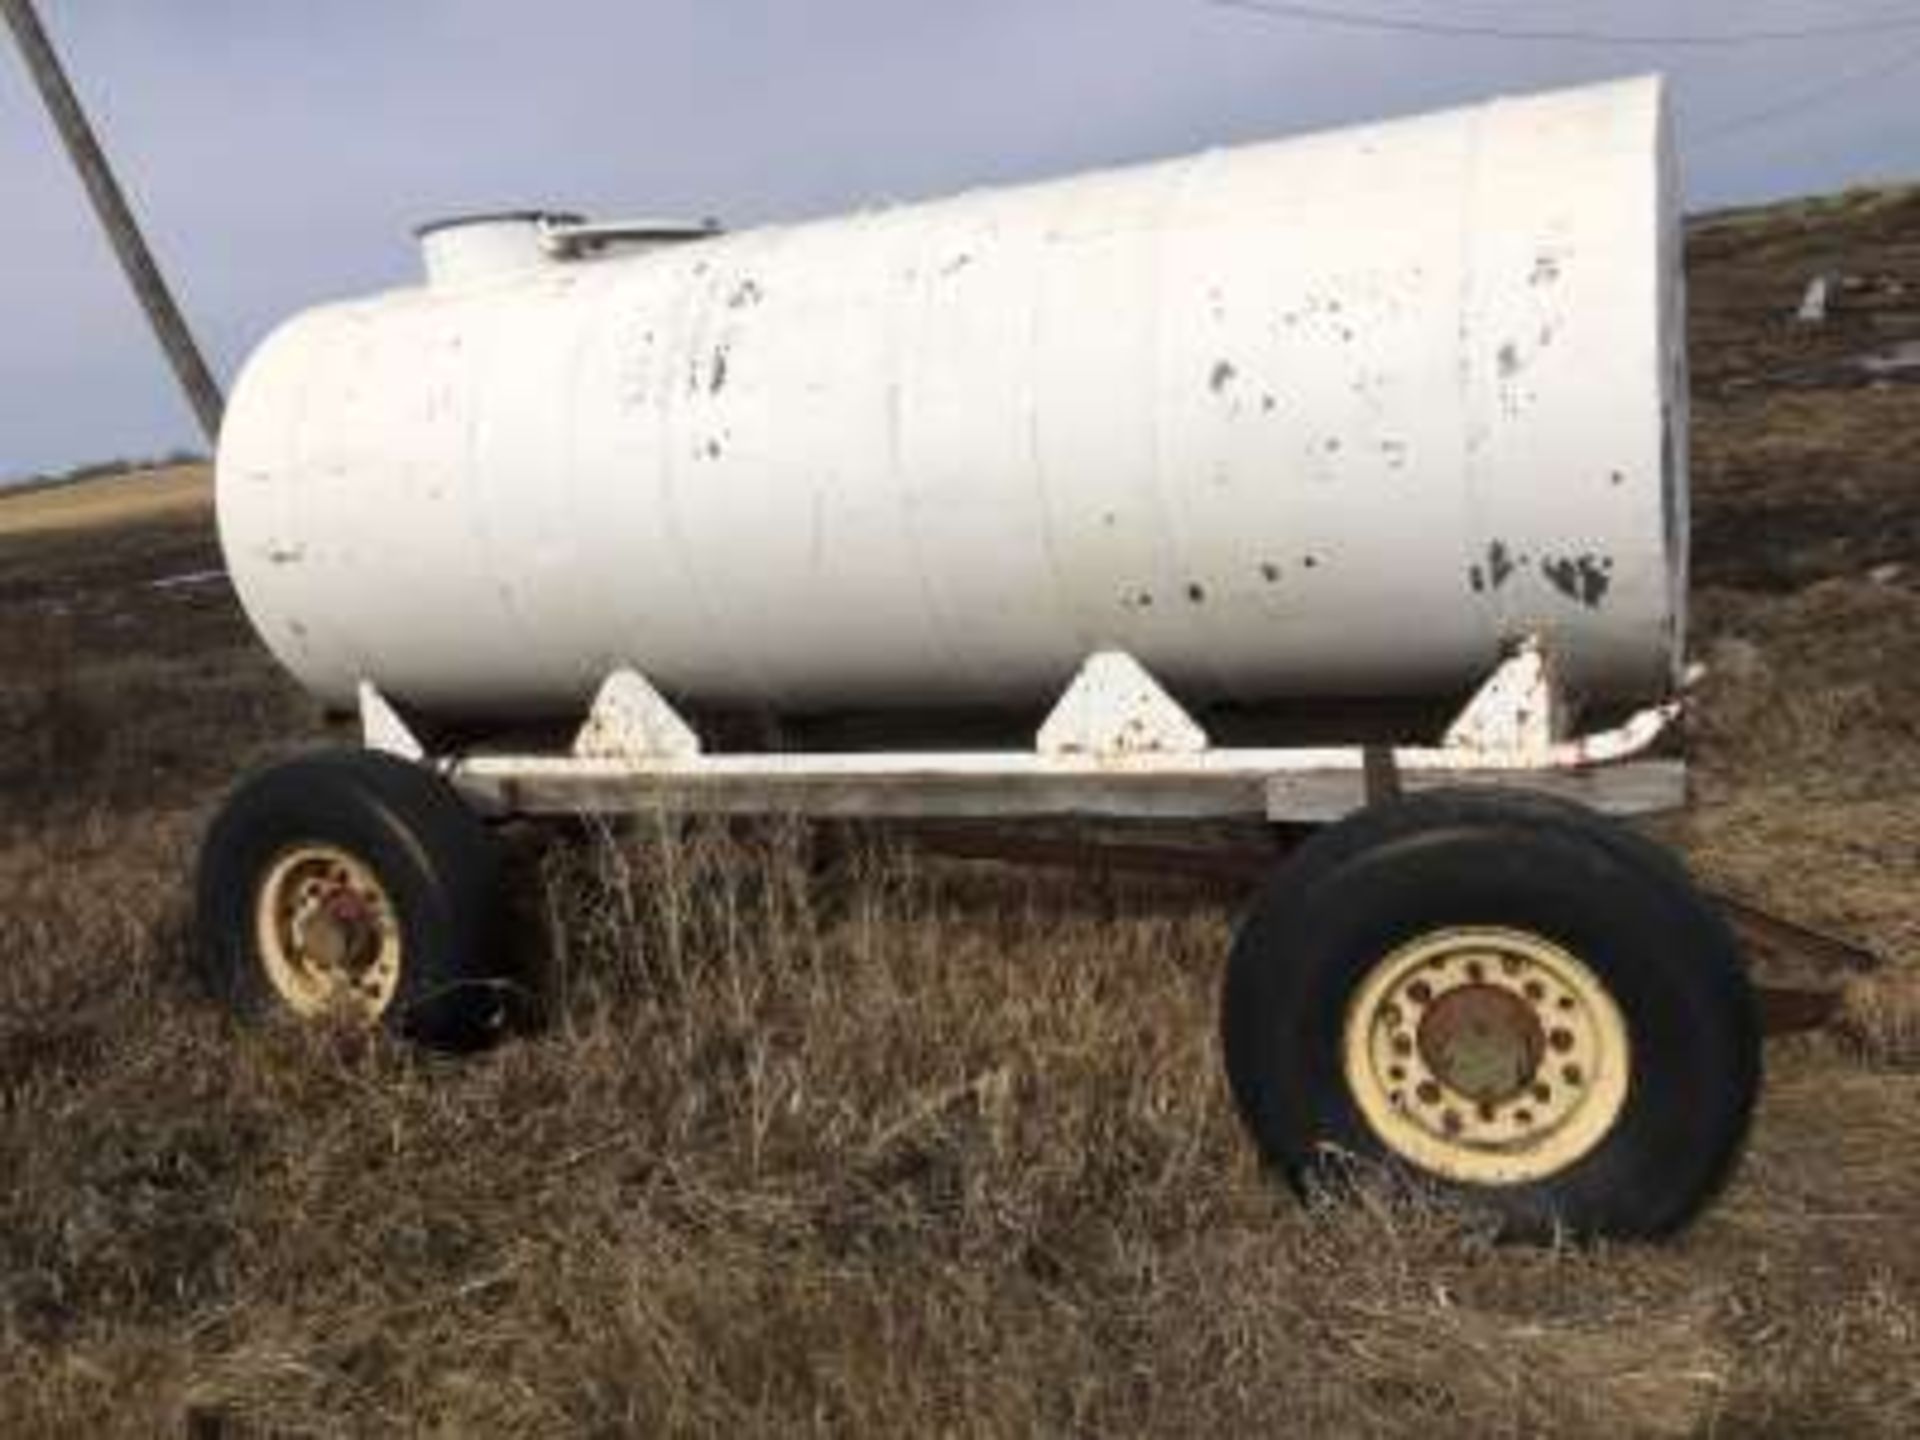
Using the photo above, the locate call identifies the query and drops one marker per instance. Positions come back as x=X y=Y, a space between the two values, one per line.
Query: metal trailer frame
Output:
x=1115 y=746
x=1480 y=1023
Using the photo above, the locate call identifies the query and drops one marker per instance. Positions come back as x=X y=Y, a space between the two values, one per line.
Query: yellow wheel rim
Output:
x=327 y=934
x=1486 y=1056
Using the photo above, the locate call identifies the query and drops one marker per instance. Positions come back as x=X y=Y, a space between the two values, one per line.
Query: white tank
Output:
x=1336 y=416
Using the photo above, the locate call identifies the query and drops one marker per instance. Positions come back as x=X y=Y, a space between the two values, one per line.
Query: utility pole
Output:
x=203 y=392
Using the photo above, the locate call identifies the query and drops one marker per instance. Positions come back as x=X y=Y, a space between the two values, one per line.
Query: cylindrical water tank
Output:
x=1337 y=416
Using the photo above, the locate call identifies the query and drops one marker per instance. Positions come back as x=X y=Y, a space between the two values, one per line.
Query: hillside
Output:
x=178 y=492
x=945 y=1149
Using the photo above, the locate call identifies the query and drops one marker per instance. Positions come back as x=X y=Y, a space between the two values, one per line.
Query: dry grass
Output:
x=1881 y=1015
x=175 y=493
x=924 y=1148
x=914 y=1146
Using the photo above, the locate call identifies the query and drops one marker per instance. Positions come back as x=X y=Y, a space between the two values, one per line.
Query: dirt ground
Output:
x=950 y=1150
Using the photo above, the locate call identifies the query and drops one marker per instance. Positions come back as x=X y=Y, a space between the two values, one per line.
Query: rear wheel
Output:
x=1505 y=998
x=355 y=886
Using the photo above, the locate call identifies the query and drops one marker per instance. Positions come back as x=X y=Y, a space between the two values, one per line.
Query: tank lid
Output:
x=496 y=217
x=571 y=237
x=466 y=249
x=469 y=249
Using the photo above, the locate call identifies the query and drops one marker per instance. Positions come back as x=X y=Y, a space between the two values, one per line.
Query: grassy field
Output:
x=178 y=492
x=943 y=1146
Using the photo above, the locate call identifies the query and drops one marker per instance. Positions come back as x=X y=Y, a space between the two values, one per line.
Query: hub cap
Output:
x=327 y=934
x=1487 y=1056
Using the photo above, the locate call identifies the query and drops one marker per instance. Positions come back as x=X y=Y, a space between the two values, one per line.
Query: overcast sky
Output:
x=279 y=150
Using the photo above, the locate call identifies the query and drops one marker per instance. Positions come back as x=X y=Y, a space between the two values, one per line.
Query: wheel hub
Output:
x=1482 y=1042
x=1486 y=1055
x=340 y=933
x=327 y=934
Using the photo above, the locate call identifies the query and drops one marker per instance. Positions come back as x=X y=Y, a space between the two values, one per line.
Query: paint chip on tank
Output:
x=1500 y=564
x=1582 y=578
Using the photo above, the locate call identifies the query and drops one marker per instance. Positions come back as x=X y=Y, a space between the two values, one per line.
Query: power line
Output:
x=1410 y=25
x=1838 y=88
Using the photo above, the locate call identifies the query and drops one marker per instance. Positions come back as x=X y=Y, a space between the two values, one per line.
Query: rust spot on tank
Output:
x=1312 y=562
x=1584 y=579
x=1137 y=600
x=747 y=292
x=1223 y=376
x=1617 y=477
x=1546 y=270
x=1510 y=364
x=718 y=380
x=1197 y=593
x=1269 y=404
x=1479 y=579
x=1269 y=572
x=957 y=263
x=714 y=450
x=285 y=554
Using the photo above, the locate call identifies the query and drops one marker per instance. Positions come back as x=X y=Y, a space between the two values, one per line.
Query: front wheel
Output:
x=355 y=886
x=1508 y=999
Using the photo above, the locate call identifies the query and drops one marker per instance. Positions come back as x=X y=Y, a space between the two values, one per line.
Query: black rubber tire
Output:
x=1361 y=889
x=437 y=862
